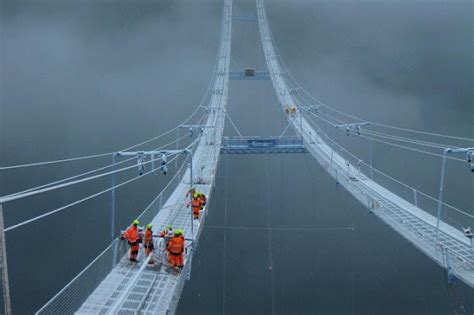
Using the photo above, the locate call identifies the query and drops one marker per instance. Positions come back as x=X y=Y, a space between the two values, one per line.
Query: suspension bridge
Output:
x=110 y=284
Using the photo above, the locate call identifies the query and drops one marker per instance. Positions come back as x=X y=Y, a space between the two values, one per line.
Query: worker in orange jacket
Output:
x=175 y=248
x=132 y=234
x=148 y=242
x=196 y=205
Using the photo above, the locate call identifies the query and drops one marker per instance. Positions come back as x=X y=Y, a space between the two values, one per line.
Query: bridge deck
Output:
x=138 y=287
x=407 y=219
x=157 y=287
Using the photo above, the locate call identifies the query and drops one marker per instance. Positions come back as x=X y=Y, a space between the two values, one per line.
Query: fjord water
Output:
x=81 y=77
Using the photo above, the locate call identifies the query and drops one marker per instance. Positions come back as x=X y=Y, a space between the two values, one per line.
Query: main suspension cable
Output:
x=298 y=85
x=63 y=185
x=369 y=137
x=355 y=157
x=91 y=171
x=81 y=200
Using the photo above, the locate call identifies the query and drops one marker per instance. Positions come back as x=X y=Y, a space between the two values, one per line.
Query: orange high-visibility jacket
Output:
x=148 y=237
x=176 y=245
x=132 y=234
x=196 y=203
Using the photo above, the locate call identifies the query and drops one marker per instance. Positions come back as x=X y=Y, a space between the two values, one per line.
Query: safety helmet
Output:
x=178 y=231
x=149 y=226
x=136 y=222
x=196 y=194
x=169 y=227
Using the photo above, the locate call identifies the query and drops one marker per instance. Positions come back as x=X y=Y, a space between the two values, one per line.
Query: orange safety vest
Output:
x=196 y=203
x=176 y=245
x=132 y=234
x=148 y=237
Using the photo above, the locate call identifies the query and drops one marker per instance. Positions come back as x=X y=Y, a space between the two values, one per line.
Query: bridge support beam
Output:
x=470 y=153
x=4 y=266
x=242 y=75
x=112 y=213
x=262 y=145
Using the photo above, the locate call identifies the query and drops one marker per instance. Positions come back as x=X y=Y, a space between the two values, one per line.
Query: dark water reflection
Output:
x=80 y=77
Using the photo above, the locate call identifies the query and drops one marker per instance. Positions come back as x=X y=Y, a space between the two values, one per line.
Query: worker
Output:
x=167 y=231
x=202 y=199
x=132 y=234
x=293 y=110
x=176 y=249
x=196 y=204
x=148 y=242
x=166 y=234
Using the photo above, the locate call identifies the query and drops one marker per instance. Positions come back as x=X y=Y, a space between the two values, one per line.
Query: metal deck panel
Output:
x=416 y=225
x=157 y=289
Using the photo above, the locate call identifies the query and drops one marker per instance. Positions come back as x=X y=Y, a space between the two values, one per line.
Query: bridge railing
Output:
x=71 y=297
x=451 y=215
x=75 y=293
x=461 y=257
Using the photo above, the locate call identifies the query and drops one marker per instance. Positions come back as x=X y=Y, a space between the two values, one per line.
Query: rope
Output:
x=232 y=123
x=413 y=149
x=361 y=120
x=384 y=135
x=425 y=133
x=89 y=172
x=288 y=229
x=286 y=128
x=55 y=161
x=296 y=83
x=47 y=189
x=390 y=143
x=394 y=179
x=420 y=192
x=81 y=200
x=165 y=188
x=407 y=140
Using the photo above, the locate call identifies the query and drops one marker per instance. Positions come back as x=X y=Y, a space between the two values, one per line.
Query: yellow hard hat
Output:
x=149 y=226
x=136 y=222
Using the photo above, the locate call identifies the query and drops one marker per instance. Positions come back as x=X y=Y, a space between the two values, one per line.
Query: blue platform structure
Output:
x=241 y=75
x=262 y=145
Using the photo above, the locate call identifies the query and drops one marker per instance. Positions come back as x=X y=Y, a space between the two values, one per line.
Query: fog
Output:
x=81 y=77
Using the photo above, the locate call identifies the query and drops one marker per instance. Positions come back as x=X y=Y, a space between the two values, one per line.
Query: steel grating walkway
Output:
x=132 y=288
x=451 y=249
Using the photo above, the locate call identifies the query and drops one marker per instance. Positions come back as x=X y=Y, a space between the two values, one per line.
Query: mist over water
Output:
x=80 y=77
